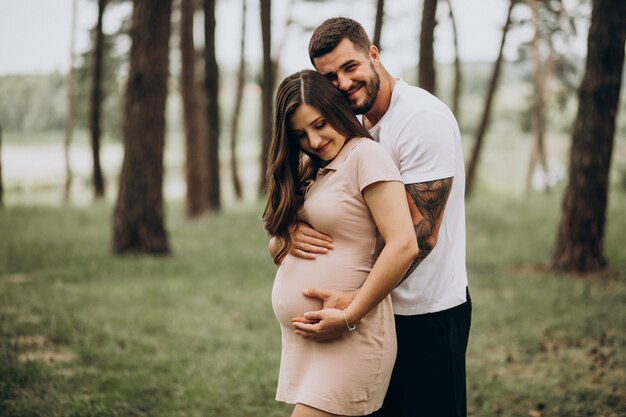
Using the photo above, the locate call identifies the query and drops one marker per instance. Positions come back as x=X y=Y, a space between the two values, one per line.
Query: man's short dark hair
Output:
x=328 y=35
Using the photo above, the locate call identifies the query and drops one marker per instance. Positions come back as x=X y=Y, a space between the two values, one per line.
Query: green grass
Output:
x=193 y=334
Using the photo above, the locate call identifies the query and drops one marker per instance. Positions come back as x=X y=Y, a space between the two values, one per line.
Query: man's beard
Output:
x=371 y=92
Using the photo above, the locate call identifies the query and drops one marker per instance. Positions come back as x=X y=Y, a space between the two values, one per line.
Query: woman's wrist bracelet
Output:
x=350 y=328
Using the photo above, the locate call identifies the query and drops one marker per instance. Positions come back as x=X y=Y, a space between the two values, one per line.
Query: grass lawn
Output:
x=85 y=333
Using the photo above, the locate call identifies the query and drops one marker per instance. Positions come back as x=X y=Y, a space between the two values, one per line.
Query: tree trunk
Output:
x=458 y=75
x=234 y=123
x=267 y=89
x=538 y=153
x=69 y=119
x=1 y=182
x=579 y=246
x=139 y=220
x=378 y=25
x=196 y=201
x=277 y=51
x=212 y=89
x=96 y=102
x=484 y=122
x=426 y=69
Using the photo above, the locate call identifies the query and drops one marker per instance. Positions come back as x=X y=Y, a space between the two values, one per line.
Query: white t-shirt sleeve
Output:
x=426 y=148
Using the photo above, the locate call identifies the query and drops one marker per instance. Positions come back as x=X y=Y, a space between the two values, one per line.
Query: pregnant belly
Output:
x=325 y=272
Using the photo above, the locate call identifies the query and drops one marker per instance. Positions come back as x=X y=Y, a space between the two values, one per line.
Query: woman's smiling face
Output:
x=314 y=134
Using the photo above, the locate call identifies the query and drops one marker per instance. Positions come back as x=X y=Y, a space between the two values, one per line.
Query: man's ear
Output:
x=374 y=54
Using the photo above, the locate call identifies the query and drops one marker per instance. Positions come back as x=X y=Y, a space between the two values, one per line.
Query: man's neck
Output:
x=383 y=100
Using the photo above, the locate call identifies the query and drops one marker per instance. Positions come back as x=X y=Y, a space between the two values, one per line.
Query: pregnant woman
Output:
x=325 y=170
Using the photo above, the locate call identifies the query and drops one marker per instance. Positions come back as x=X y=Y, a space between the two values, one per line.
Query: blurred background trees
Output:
x=580 y=242
x=138 y=225
x=95 y=101
x=210 y=102
x=194 y=114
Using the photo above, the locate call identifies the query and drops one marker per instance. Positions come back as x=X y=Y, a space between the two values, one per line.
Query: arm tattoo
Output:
x=430 y=199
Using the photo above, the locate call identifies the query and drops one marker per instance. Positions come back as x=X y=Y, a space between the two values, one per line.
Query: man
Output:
x=431 y=305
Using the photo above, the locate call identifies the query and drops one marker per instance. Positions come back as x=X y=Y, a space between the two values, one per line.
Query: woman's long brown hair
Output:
x=289 y=168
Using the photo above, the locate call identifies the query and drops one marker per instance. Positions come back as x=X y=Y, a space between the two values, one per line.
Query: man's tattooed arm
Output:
x=427 y=201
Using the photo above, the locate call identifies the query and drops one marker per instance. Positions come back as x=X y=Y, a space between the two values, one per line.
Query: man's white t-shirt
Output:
x=422 y=135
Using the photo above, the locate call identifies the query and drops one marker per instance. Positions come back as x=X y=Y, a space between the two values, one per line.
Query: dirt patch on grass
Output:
x=41 y=348
x=17 y=278
x=31 y=341
x=48 y=356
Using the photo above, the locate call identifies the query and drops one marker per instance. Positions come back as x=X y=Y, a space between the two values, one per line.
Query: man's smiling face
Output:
x=353 y=72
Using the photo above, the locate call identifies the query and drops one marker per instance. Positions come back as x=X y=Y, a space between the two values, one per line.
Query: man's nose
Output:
x=343 y=82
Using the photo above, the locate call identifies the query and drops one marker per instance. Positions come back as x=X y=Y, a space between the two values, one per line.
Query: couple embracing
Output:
x=367 y=224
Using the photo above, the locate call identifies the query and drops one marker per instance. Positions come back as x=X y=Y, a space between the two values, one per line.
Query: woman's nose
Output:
x=314 y=141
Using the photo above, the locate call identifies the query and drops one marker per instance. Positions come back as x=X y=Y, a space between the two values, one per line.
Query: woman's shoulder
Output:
x=366 y=145
x=367 y=148
x=368 y=152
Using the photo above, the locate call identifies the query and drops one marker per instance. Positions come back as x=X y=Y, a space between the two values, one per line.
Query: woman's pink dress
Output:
x=350 y=375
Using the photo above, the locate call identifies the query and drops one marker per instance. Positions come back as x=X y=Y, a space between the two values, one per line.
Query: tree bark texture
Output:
x=538 y=153
x=69 y=119
x=267 y=88
x=1 y=181
x=378 y=25
x=486 y=116
x=278 y=49
x=579 y=246
x=95 y=102
x=212 y=90
x=458 y=74
x=139 y=219
x=426 y=68
x=196 y=200
x=234 y=122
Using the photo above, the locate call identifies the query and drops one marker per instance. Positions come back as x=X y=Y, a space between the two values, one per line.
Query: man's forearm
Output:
x=427 y=201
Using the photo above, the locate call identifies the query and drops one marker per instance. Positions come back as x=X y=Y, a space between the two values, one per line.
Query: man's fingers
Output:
x=309 y=232
x=315 y=293
x=302 y=254
x=314 y=246
x=306 y=235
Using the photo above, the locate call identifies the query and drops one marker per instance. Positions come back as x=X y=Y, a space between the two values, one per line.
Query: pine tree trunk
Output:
x=485 y=119
x=96 y=102
x=277 y=50
x=458 y=74
x=538 y=153
x=426 y=69
x=139 y=219
x=234 y=123
x=267 y=89
x=1 y=181
x=579 y=246
x=212 y=91
x=378 y=25
x=195 y=144
x=69 y=119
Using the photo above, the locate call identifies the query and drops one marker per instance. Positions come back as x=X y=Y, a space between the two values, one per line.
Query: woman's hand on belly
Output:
x=322 y=325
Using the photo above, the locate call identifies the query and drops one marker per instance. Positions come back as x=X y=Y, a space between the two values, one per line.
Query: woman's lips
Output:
x=322 y=148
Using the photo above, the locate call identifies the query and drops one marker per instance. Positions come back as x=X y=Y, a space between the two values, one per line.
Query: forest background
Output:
x=86 y=332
